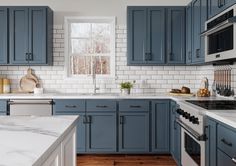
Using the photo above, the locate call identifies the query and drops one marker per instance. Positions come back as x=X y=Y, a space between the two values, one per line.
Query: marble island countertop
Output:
x=25 y=141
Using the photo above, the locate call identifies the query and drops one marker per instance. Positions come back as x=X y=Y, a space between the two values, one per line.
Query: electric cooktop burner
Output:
x=215 y=104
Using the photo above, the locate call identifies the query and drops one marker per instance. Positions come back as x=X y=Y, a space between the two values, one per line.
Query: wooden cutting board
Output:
x=29 y=82
x=182 y=94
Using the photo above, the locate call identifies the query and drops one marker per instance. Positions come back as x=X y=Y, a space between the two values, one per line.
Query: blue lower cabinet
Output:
x=81 y=134
x=223 y=159
x=134 y=132
x=211 y=149
x=101 y=132
x=160 y=127
x=175 y=134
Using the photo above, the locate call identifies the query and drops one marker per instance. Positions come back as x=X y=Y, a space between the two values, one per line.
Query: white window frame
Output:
x=112 y=21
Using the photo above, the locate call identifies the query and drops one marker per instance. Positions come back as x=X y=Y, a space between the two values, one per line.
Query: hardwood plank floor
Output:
x=124 y=160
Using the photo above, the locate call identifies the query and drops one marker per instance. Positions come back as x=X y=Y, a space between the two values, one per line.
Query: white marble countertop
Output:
x=227 y=117
x=26 y=141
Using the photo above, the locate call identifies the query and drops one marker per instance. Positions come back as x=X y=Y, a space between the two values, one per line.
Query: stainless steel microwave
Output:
x=220 y=36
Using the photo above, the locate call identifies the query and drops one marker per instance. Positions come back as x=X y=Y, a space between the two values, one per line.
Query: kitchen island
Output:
x=38 y=141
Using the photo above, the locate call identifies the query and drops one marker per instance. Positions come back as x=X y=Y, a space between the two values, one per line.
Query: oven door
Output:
x=193 y=150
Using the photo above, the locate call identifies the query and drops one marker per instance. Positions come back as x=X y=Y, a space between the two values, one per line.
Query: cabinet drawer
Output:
x=69 y=105
x=134 y=105
x=226 y=140
x=223 y=159
x=101 y=105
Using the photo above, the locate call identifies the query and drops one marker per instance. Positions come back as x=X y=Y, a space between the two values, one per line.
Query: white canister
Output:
x=38 y=91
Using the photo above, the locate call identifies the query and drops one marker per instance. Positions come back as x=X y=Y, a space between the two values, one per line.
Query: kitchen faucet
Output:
x=95 y=88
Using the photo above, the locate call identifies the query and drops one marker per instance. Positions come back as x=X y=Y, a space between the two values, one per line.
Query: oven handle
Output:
x=193 y=133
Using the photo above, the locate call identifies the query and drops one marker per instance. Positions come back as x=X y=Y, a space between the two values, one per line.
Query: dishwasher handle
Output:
x=15 y=102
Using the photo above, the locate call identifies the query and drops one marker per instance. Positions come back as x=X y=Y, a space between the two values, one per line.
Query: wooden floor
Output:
x=124 y=160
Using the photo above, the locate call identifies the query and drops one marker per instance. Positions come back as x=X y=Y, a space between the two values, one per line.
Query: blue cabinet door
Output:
x=37 y=35
x=189 y=34
x=211 y=149
x=176 y=35
x=19 y=32
x=160 y=126
x=101 y=132
x=137 y=39
x=155 y=52
x=134 y=132
x=199 y=16
x=3 y=35
x=175 y=134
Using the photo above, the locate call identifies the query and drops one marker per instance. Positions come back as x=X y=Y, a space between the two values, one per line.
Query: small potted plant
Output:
x=126 y=87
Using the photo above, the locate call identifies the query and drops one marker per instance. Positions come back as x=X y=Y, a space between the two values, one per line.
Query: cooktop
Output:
x=215 y=104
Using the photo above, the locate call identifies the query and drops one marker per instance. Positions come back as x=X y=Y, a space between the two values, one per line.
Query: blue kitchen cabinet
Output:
x=160 y=127
x=176 y=35
x=175 y=134
x=3 y=35
x=199 y=16
x=134 y=132
x=3 y=107
x=101 y=132
x=217 y=6
x=189 y=34
x=30 y=35
x=74 y=107
x=223 y=159
x=146 y=35
x=211 y=148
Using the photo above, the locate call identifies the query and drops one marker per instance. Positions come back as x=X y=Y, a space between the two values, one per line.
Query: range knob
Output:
x=180 y=111
x=194 y=120
x=186 y=115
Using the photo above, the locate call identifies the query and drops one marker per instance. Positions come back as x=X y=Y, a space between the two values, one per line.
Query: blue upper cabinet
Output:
x=30 y=35
x=176 y=35
x=217 y=6
x=137 y=39
x=155 y=52
x=148 y=36
x=3 y=35
x=199 y=16
x=189 y=34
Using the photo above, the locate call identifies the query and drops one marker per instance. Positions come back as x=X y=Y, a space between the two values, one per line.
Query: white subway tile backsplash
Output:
x=149 y=79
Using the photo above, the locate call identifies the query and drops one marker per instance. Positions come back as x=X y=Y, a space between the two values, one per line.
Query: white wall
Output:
x=92 y=7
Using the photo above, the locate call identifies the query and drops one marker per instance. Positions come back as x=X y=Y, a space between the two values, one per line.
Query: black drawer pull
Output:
x=70 y=106
x=121 y=119
x=135 y=106
x=101 y=106
x=226 y=142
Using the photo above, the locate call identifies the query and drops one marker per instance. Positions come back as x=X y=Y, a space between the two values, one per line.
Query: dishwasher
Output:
x=30 y=107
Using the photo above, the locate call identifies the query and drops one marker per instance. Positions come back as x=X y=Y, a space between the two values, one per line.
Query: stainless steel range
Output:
x=192 y=124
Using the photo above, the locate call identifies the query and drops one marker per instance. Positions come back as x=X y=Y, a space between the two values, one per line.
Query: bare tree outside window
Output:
x=90 y=41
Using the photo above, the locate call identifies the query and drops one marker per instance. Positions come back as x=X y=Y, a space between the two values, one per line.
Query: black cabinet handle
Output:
x=170 y=56
x=27 y=56
x=70 y=106
x=121 y=119
x=226 y=142
x=135 y=106
x=197 y=53
x=101 y=106
x=30 y=56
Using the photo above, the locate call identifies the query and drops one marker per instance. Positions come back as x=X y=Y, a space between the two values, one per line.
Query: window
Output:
x=90 y=46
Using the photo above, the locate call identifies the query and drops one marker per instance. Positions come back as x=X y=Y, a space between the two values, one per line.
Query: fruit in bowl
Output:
x=203 y=92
